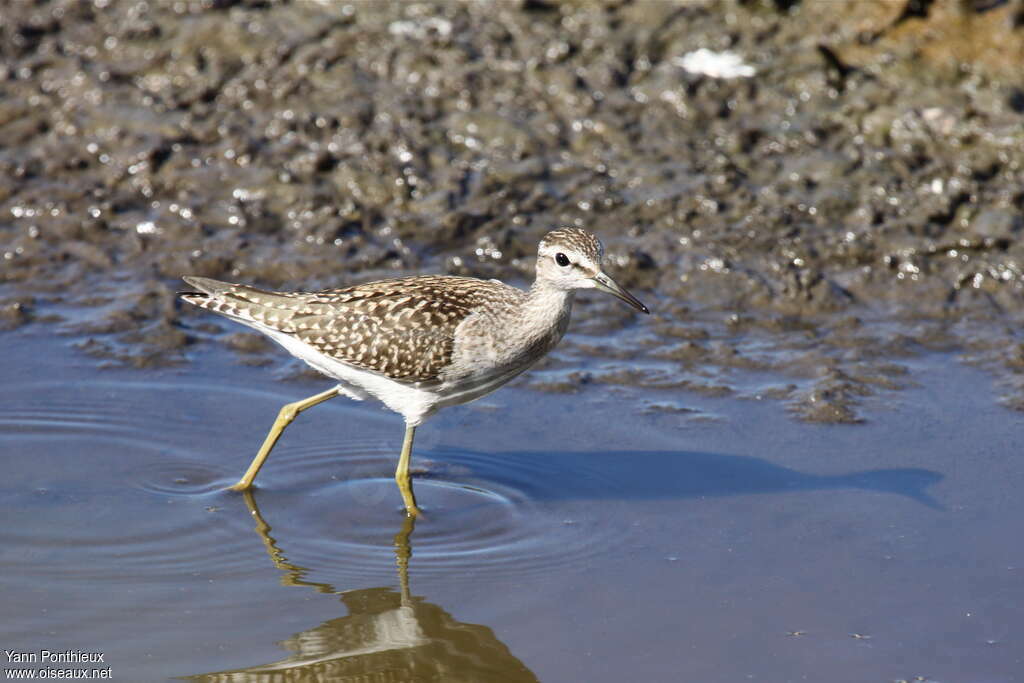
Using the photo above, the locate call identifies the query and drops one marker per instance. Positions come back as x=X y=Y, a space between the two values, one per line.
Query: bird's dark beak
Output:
x=606 y=284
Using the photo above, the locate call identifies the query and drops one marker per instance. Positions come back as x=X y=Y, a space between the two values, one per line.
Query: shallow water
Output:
x=564 y=538
x=834 y=239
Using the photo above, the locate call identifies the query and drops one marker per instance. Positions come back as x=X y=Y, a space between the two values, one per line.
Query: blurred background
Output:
x=821 y=201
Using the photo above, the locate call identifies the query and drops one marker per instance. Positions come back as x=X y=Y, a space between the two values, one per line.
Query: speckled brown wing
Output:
x=402 y=328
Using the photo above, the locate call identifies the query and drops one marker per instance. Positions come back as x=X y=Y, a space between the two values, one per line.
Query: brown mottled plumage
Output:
x=575 y=240
x=402 y=328
x=418 y=344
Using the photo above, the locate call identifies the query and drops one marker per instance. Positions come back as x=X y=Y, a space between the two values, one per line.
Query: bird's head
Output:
x=570 y=258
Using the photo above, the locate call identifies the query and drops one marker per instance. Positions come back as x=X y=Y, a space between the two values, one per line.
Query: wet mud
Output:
x=801 y=233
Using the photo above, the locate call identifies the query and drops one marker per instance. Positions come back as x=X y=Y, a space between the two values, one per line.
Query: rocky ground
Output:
x=802 y=231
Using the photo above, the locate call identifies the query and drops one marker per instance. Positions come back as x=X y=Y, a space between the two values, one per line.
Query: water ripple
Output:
x=336 y=508
x=107 y=481
x=121 y=480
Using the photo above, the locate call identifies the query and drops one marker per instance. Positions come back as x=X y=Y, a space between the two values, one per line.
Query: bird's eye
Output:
x=561 y=259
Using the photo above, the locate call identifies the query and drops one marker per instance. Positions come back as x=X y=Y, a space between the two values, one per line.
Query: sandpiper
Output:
x=418 y=344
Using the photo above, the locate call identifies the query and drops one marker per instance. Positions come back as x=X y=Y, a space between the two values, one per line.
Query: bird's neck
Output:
x=547 y=307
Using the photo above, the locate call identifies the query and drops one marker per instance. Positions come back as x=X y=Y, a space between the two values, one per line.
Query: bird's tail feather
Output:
x=239 y=302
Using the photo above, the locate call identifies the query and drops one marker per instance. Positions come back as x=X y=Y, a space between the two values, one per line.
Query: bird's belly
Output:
x=490 y=361
x=470 y=388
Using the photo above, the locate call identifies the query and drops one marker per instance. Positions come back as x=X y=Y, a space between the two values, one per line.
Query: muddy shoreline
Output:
x=801 y=234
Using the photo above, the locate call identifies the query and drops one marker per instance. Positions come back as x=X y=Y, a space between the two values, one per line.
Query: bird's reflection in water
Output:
x=386 y=636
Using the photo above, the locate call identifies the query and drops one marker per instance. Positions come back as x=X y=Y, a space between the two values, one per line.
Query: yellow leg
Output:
x=284 y=418
x=403 y=552
x=402 y=474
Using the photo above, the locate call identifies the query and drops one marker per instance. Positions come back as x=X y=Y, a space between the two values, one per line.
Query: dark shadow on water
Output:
x=644 y=475
x=389 y=634
x=385 y=635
